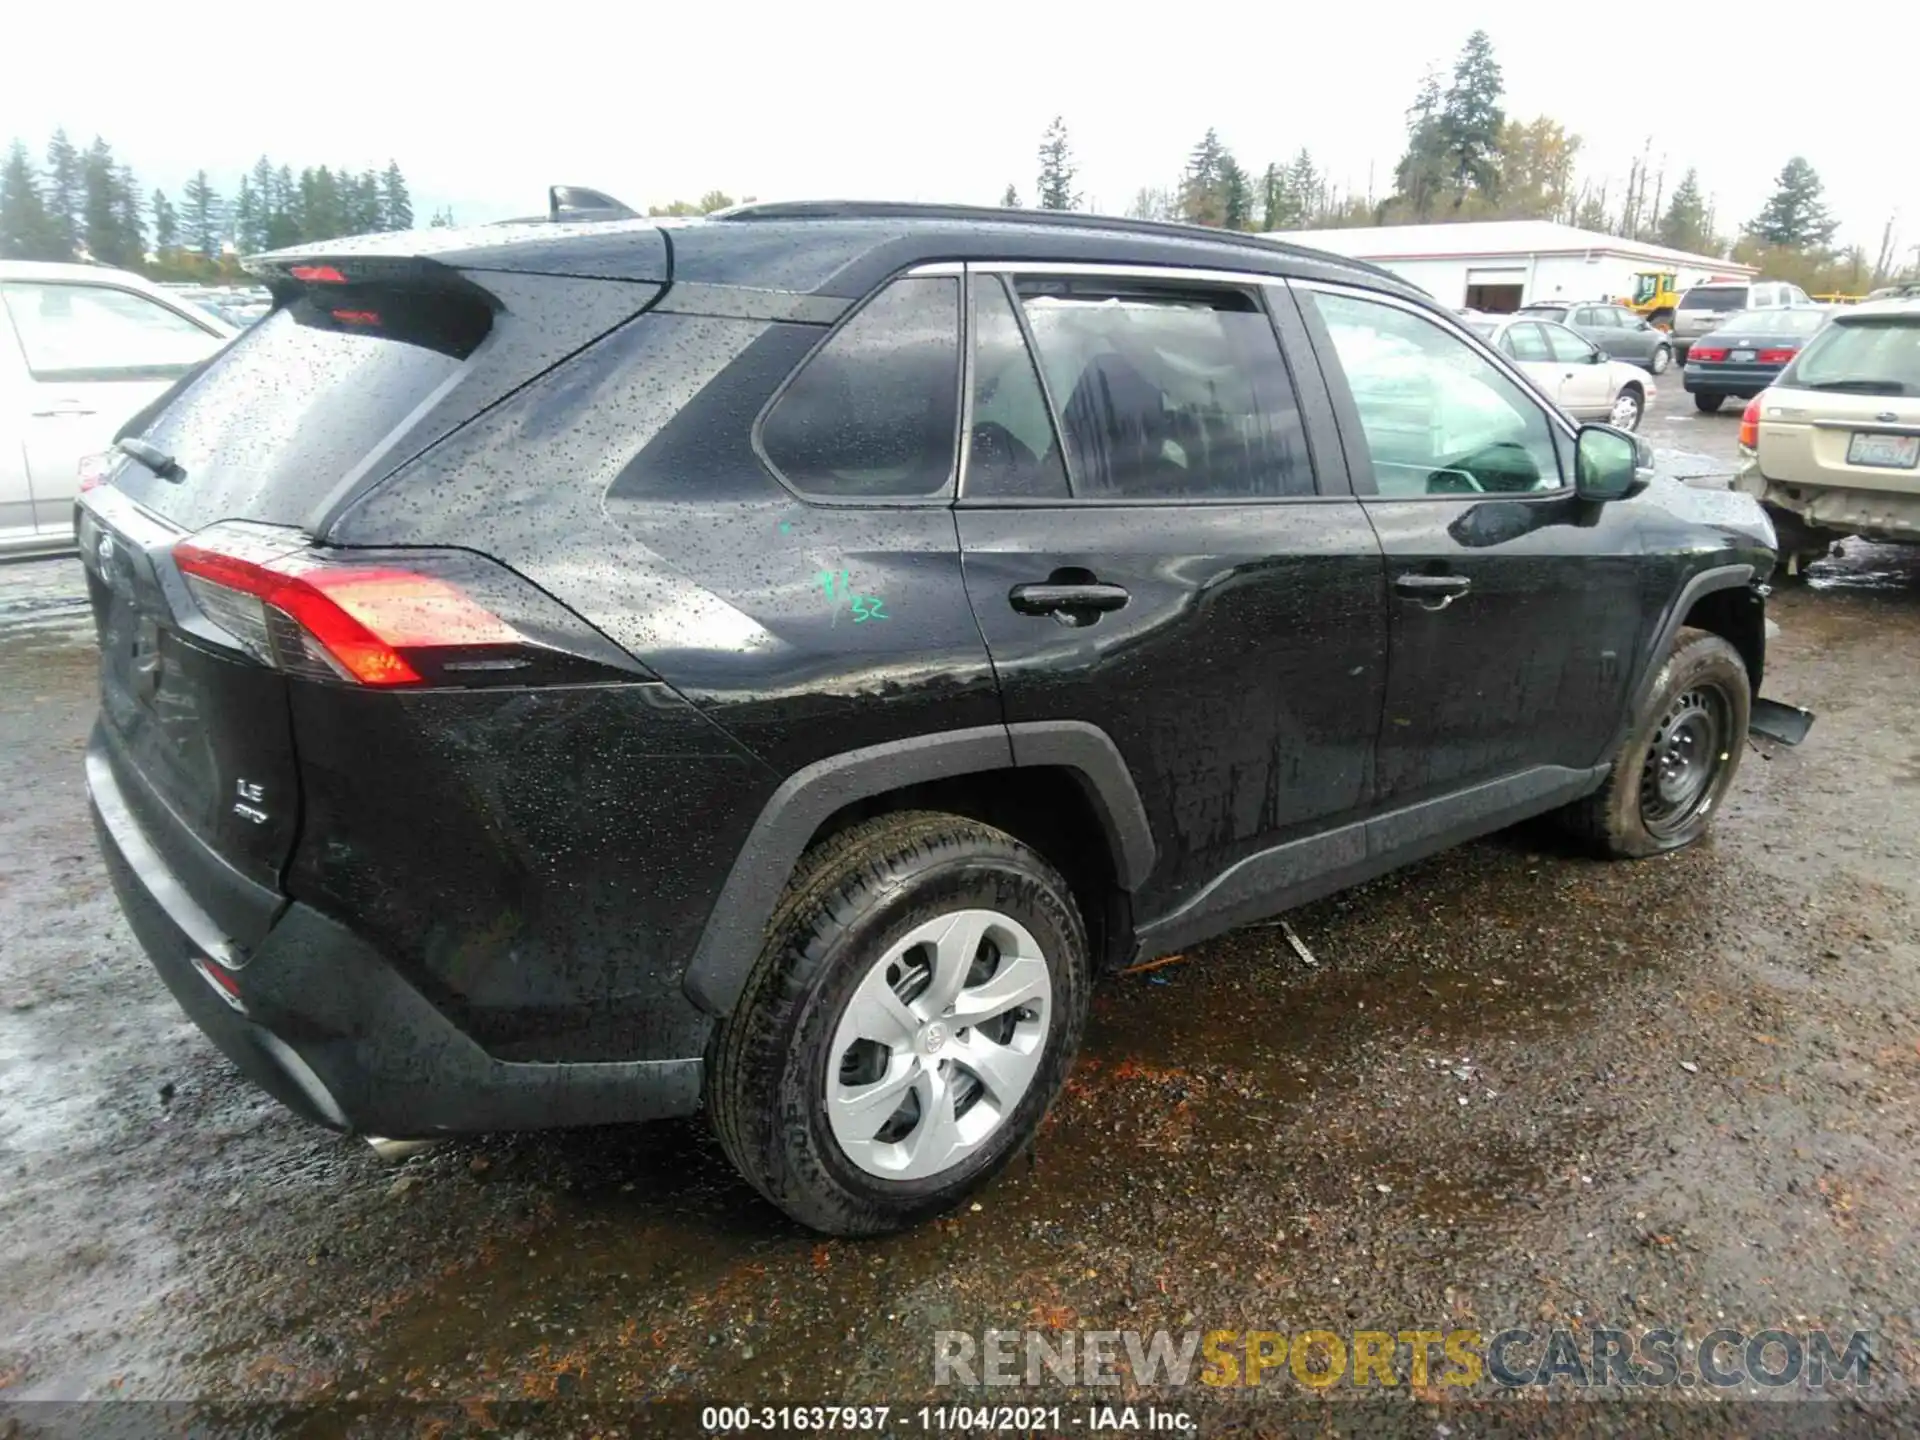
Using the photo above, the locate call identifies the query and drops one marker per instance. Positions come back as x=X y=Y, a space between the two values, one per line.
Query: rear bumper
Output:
x=317 y=1019
x=1847 y=510
x=1742 y=381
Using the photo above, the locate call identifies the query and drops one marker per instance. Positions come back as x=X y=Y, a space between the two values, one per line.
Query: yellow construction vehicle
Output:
x=1655 y=293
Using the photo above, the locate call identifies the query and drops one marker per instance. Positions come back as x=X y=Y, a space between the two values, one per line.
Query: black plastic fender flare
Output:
x=731 y=940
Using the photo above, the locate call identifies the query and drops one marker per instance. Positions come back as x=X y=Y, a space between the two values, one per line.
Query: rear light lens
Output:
x=1702 y=352
x=1750 y=425
x=1775 y=357
x=94 y=470
x=318 y=274
x=388 y=618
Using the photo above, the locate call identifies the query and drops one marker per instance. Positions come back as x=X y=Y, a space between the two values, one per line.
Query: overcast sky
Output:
x=653 y=103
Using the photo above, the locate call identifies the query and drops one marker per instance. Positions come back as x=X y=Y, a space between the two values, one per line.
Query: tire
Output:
x=1708 y=404
x=1616 y=819
x=1629 y=408
x=1662 y=357
x=832 y=974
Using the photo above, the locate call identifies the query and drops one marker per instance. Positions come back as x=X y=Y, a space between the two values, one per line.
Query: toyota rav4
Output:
x=575 y=672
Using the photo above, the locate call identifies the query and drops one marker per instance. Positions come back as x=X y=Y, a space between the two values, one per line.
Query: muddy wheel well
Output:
x=1738 y=616
x=1044 y=806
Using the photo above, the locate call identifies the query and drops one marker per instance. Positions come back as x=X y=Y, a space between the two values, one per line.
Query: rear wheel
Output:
x=1628 y=406
x=1708 y=404
x=1662 y=358
x=917 y=1005
x=1679 y=758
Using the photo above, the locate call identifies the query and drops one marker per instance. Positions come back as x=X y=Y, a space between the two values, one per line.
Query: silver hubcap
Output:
x=1626 y=410
x=1660 y=359
x=939 y=1044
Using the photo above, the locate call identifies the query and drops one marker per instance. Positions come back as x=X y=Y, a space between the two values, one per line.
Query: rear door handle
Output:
x=1074 y=604
x=60 y=408
x=1435 y=592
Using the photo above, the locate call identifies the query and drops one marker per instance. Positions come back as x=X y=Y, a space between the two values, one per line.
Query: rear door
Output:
x=1146 y=550
x=1516 y=606
x=95 y=354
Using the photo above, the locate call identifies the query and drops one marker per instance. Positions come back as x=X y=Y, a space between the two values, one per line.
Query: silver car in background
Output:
x=1707 y=307
x=83 y=348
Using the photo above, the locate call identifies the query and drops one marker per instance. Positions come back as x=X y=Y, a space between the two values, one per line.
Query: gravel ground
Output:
x=1519 y=1087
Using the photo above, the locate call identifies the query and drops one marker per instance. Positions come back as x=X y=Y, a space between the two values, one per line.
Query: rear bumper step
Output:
x=331 y=1030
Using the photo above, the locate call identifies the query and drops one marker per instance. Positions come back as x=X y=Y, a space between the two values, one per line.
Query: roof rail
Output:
x=1071 y=219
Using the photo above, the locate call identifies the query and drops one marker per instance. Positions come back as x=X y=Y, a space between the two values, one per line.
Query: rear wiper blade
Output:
x=153 y=457
x=1861 y=386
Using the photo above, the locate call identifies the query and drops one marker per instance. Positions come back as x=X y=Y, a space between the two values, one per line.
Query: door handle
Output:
x=1434 y=592
x=61 y=408
x=1071 y=604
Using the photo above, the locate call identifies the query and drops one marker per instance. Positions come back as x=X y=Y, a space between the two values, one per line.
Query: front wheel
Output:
x=1708 y=404
x=1679 y=758
x=1628 y=407
x=1662 y=358
x=916 y=1007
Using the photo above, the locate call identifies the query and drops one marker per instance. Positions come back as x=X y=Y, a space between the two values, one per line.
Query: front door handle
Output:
x=59 y=409
x=1071 y=604
x=1434 y=592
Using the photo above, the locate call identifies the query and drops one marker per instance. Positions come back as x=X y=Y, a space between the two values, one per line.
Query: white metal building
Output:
x=1504 y=264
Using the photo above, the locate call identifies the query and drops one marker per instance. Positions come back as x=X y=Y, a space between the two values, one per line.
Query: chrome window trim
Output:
x=1177 y=273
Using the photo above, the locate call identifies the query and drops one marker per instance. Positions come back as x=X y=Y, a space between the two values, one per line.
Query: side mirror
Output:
x=1594 y=357
x=1610 y=464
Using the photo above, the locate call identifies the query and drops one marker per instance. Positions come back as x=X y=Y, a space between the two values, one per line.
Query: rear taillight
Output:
x=1750 y=425
x=1702 y=352
x=388 y=618
x=1774 y=357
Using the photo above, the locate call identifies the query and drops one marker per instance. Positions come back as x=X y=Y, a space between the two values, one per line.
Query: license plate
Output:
x=1741 y=357
x=1891 y=452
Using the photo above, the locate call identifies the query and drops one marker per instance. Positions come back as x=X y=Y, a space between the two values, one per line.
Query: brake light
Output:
x=1775 y=357
x=1750 y=425
x=357 y=317
x=318 y=274
x=352 y=621
x=1701 y=352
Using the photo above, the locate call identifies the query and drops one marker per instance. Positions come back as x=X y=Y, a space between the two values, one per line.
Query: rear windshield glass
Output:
x=1721 y=297
x=1876 y=356
x=300 y=401
x=1483 y=328
x=1777 y=322
x=1546 y=312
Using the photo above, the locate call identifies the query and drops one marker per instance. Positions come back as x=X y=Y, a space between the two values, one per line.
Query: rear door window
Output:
x=1167 y=391
x=73 y=333
x=1567 y=347
x=300 y=402
x=875 y=412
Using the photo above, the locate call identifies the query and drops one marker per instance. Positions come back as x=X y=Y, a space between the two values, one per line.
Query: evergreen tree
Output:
x=129 y=218
x=1471 y=120
x=205 y=216
x=1200 y=187
x=285 y=224
x=1236 y=195
x=65 y=193
x=396 y=205
x=1686 y=225
x=1305 y=189
x=260 y=232
x=1273 y=199
x=1010 y=199
x=1796 y=217
x=1419 y=176
x=99 y=214
x=1055 y=184
x=27 y=231
x=166 y=225
x=243 y=217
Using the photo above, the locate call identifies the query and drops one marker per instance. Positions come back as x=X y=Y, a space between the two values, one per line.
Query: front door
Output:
x=1516 y=607
x=1145 y=550
x=1586 y=381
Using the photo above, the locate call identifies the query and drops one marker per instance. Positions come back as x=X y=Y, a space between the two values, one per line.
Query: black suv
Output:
x=557 y=674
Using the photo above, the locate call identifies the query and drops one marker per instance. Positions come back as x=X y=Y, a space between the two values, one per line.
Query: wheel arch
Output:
x=1056 y=762
x=1723 y=600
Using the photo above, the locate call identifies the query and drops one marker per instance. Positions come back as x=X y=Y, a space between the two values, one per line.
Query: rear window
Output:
x=1545 y=312
x=301 y=401
x=1778 y=322
x=1879 y=356
x=1724 y=298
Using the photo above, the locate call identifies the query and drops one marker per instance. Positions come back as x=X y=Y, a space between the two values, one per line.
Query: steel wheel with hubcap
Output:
x=1662 y=358
x=939 y=1044
x=1626 y=409
x=916 y=1008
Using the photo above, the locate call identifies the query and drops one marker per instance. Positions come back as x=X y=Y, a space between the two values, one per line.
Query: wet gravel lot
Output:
x=1519 y=1087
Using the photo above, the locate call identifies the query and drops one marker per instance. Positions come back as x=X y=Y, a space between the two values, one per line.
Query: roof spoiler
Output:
x=577 y=202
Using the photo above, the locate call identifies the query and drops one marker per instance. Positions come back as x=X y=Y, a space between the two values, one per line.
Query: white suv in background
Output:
x=1709 y=306
x=83 y=349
